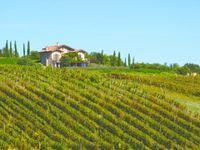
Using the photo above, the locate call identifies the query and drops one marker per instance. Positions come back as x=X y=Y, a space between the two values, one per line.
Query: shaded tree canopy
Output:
x=69 y=58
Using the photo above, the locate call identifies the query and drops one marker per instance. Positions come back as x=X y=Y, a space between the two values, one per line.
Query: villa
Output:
x=51 y=55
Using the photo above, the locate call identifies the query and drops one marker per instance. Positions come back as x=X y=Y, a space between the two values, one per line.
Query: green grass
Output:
x=191 y=105
x=4 y=60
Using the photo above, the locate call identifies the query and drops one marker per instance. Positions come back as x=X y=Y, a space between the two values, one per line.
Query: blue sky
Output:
x=151 y=30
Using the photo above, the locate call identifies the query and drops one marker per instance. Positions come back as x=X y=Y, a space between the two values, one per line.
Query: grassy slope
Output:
x=96 y=109
x=4 y=60
x=191 y=101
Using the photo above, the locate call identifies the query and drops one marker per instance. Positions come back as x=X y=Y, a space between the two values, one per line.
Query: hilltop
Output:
x=80 y=108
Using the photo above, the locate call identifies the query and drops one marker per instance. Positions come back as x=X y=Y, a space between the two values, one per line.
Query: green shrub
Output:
x=25 y=61
x=35 y=55
x=183 y=70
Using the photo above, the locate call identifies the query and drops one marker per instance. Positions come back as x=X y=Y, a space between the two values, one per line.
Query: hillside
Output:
x=4 y=60
x=45 y=108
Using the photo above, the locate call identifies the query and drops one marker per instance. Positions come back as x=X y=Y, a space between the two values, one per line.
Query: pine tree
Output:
x=129 y=60
x=16 y=52
x=10 y=50
x=119 y=59
x=24 y=50
x=28 y=49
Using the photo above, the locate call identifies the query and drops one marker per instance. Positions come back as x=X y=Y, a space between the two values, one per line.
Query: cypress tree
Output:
x=114 y=59
x=133 y=62
x=10 y=50
x=24 y=50
x=129 y=60
x=28 y=49
x=125 y=63
x=119 y=59
x=16 y=52
x=6 y=50
x=102 y=57
x=1 y=52
x=102 y=52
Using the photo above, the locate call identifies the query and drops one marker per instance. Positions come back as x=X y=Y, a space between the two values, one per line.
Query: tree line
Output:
x=110 y=60
x=12 y=51
x=115 y=60
x=30 y=57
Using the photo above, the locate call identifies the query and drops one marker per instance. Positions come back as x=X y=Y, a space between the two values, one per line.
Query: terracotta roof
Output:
x=80 y=50
x=67 y=47
x=56 y=48
x=76 y=51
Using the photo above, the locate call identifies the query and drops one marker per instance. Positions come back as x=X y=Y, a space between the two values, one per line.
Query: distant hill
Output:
x=53 y=108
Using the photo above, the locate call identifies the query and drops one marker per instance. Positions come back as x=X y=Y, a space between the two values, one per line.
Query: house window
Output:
x=56 y=57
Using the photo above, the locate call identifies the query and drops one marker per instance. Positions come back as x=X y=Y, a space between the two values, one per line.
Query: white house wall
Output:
x=82 y=55
x=56 y=56
x=53 y=58
x=44 y=57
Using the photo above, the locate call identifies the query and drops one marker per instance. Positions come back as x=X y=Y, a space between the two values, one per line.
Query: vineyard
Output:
x=48 y=108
